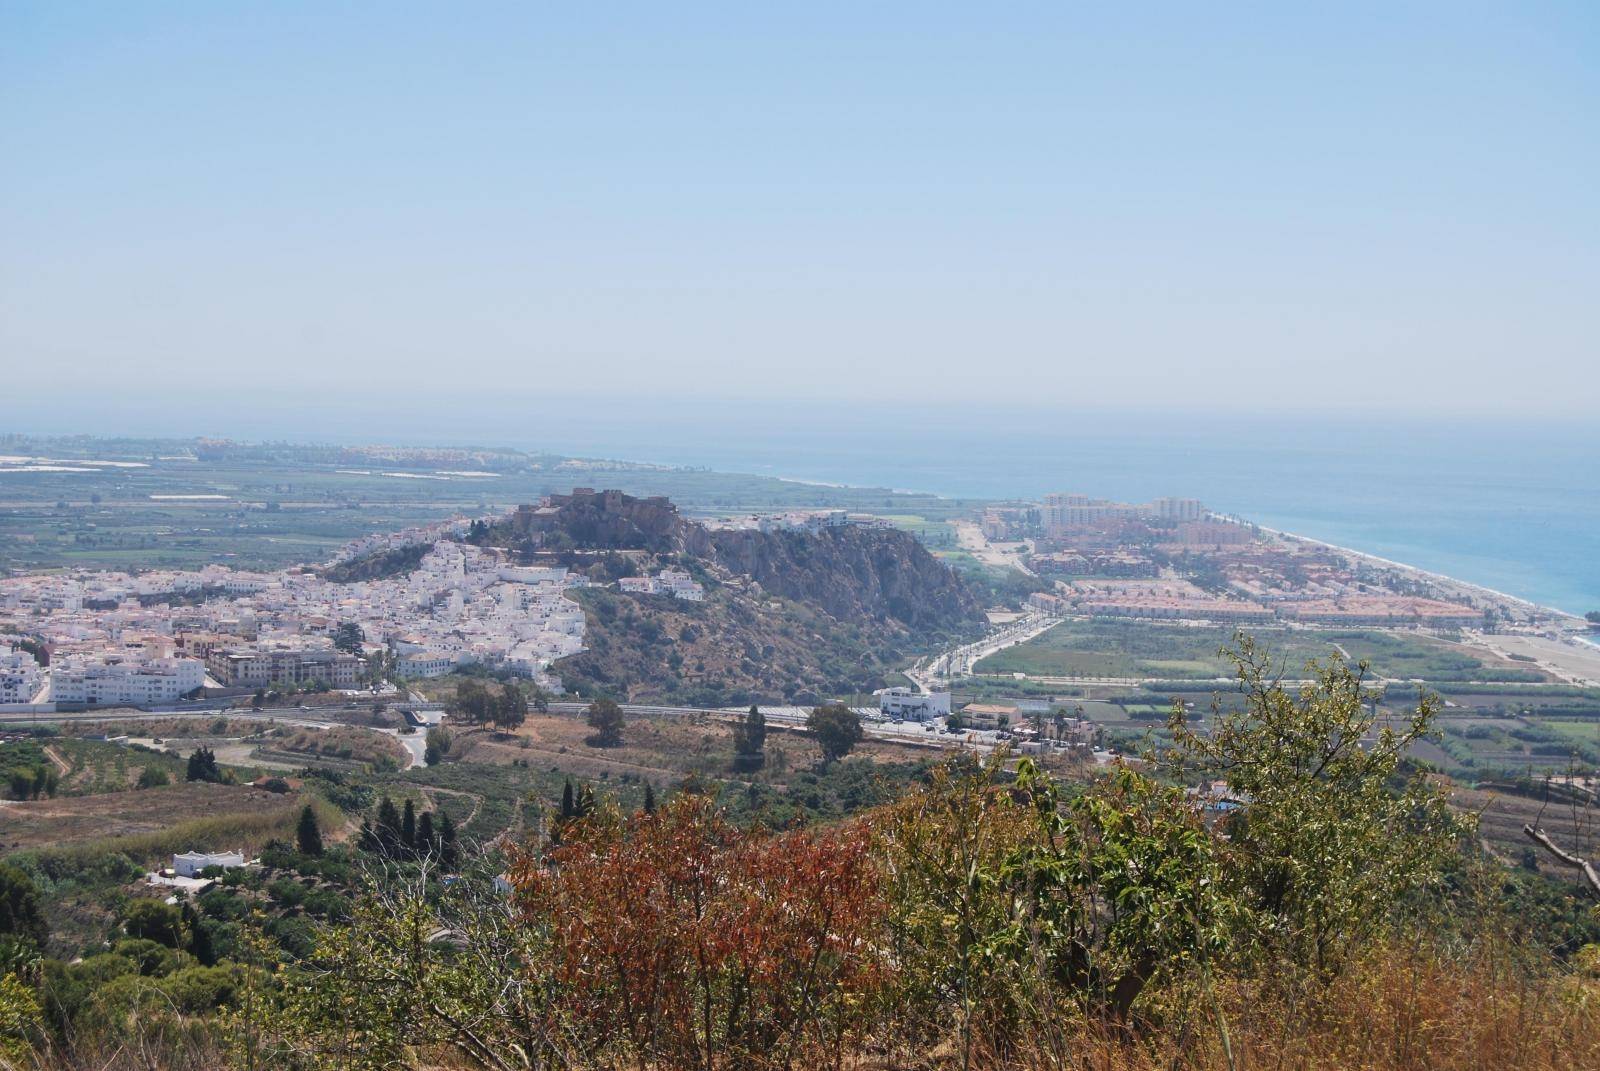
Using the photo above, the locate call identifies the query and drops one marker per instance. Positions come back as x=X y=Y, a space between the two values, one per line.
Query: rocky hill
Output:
x=378 y=566
x=852 y=573
x=787 y=615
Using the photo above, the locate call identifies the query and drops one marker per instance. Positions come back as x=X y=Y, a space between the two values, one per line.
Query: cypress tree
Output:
x=448 y=852
x=408 y=828
x=568 y=811
x=426 y=838
x=308 y=838
x=388 y=826
x=649 y=798
x=750 y=741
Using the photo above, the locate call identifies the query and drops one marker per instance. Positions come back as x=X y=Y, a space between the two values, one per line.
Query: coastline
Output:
x=1566 y=617
x=1467 y=585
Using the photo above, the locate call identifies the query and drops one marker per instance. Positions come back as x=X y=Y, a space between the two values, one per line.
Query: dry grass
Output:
x=341 y=742
x=1398 y=1011
x=130 y=816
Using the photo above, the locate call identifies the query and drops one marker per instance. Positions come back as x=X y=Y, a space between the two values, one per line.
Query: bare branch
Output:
x=1590 y=875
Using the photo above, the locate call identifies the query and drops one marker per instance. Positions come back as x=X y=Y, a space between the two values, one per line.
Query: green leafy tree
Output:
x=154 y=921
x=1332 y=836
x=348 y=637
x=1008 y=896
x=473 y=702
x=154 y=777
x=21 y=1022
x=307 y=835
x=33 y=782
x=605 y=718
x=408 y=827
x=21 y=915
x=509 y=709
x=438 y=746
x=45 y=781
x=40 y=653
x=378 y=667
x=837 y=730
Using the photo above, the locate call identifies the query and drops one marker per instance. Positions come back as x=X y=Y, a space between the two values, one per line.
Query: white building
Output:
x=20 y=676
x=420 y=664
x=681 y=585
x=672 y=582
x=117 y=682
x=1178 y=509
x=913 y=705
x=189 y=864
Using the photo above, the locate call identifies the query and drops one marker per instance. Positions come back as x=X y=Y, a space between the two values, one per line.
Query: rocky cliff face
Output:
x=785 y=613
x=852 y=573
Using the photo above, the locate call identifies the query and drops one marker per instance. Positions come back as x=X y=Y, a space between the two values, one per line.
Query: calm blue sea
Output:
x=1511 y=507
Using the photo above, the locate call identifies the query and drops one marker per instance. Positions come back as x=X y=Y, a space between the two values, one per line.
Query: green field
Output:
x=1174 y=652
x=1404 y=656
x=1137 y=649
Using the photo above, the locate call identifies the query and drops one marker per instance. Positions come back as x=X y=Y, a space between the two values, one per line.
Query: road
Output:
x=415 y=743
x=1000 y=555
x=934 y=673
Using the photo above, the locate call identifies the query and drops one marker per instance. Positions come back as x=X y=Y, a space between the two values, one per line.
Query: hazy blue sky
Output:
x=1333 y=206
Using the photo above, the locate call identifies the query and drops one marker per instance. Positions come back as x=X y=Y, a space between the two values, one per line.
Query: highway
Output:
x=933 y=673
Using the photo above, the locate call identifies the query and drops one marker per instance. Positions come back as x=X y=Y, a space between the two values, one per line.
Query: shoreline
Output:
x=1527 y=605
x=1518 y=600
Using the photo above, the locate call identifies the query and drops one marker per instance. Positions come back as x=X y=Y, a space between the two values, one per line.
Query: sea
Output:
x=1510 y=506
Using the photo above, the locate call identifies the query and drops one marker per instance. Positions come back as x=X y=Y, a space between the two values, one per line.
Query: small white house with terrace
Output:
x=190 y=864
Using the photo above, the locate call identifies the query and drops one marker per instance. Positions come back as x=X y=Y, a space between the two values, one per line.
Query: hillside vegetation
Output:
x=1334 y=914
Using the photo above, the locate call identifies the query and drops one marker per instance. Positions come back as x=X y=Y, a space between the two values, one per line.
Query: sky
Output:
x=1350 y=208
